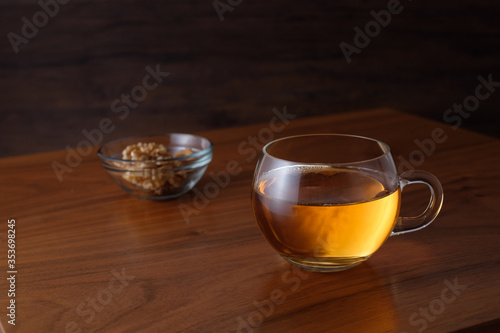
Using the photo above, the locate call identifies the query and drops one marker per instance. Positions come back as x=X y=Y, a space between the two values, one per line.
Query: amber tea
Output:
x=324 y=213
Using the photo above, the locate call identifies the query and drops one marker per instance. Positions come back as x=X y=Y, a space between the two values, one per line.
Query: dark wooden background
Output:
x=265 y=54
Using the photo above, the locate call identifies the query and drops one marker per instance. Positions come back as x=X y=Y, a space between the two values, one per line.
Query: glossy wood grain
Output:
x=264 y=54
x=216 y=273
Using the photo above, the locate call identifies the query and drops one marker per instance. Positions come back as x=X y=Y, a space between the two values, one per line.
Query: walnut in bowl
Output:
x=159 y=167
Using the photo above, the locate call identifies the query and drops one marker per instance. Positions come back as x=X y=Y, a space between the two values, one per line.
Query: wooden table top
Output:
x=90 y=258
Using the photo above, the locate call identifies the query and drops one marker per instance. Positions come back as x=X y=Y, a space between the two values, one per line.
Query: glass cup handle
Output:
x=414 y=223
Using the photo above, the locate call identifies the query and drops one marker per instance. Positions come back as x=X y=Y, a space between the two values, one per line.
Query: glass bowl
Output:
x=160 y=178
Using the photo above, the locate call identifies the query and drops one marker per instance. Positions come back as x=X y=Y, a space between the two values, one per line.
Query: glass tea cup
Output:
x=327 y=202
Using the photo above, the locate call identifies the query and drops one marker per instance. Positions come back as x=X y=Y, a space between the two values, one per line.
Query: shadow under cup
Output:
x=327 y=202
